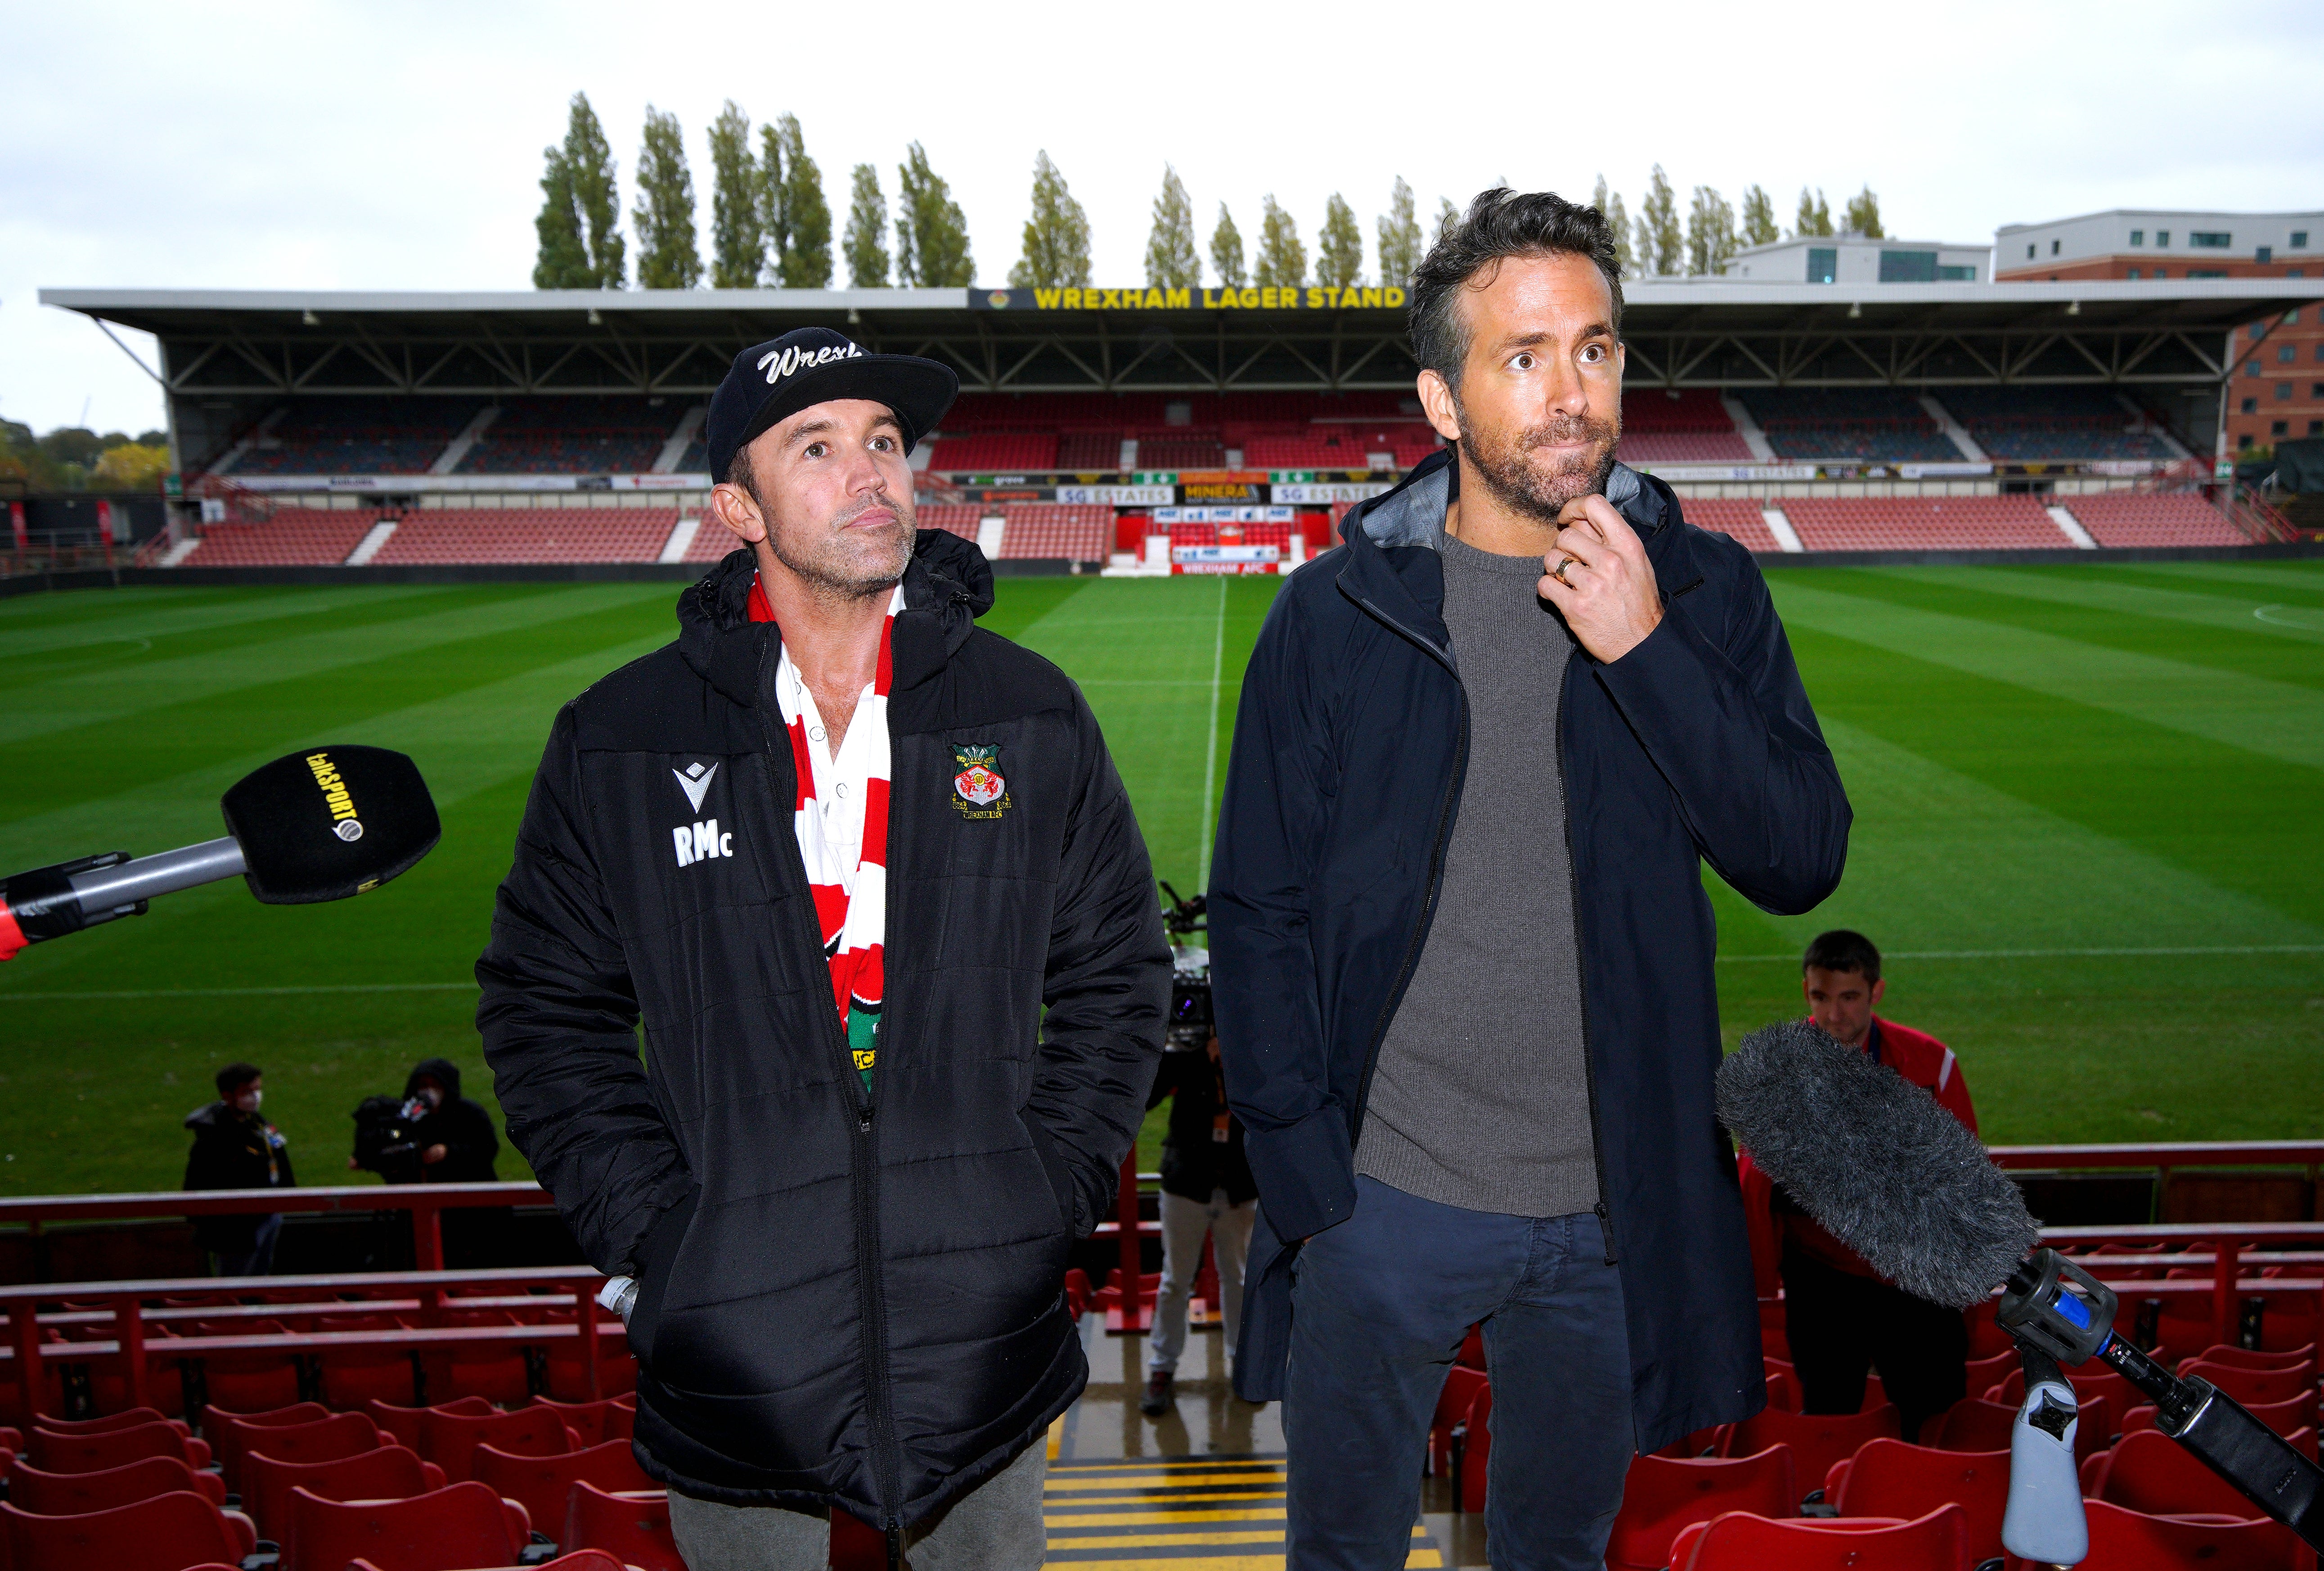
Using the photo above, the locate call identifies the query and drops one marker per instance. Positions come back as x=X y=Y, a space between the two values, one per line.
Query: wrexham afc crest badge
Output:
x=979 y=789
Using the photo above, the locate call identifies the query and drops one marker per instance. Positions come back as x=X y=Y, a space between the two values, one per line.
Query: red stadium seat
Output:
x=1829 y=523
x=2128 y=518
x=54 y=1453
x=2150 y=1471
x=1783 y=1390
x=1739 y=1541
x=245 y=1382
x=1888 y=1478
x=59 y=1494
x=2288 y=1418
x=2257 y=1387
x=541 y=1483
x=1817 y=1441
x=2089 y=1379
x=167 y=1532
x=595 y=1423
x=1474 y=1453
x=1662 y=1497
x=2253 y=1358
x=450 y=1440
x=1742 y=519
x=403 y=1423
x=634 y=1527
x=324 y=1440
x=1986 y=1373
x=2128 y=1540
x=129 y=1418
x=459 y=1525
x=390 y=1472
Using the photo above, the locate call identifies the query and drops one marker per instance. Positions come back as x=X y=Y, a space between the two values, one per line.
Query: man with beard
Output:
x=1460 y=947
x=838 y=850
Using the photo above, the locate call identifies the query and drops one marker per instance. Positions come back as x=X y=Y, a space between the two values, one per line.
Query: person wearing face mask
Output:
x=435 y=1135
x=236 y=1148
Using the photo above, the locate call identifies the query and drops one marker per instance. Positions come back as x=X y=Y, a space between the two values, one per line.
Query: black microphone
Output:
x=320 y=825
x=1895 y=1177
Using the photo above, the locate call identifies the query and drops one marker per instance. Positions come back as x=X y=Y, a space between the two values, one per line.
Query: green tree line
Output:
x=771 y=226
x=76 y=458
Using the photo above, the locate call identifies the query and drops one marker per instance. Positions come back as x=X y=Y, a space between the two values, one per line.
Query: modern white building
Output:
x=2187 y=245
x=1852 y=258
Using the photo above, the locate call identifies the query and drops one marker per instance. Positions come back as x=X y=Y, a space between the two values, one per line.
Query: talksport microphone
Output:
x=320 y=825
x=1892 y=1175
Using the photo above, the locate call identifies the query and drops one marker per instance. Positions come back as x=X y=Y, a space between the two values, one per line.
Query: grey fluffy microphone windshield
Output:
x=1874 y=1158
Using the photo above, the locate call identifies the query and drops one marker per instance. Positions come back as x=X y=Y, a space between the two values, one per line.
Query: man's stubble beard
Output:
x=1502 y=460
x=831 y=573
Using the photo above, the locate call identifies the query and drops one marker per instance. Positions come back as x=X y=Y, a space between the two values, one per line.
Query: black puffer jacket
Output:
x=841 y=1299
x=461 y=1126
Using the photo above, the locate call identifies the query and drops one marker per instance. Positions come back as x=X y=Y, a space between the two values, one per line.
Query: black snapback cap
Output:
x=775 y=380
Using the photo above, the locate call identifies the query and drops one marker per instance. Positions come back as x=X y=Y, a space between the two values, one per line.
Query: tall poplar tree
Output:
x=1759 y=217
x=1662 y=247
x=1171 y=260
x=1339 y=246
x=668 y=257
x=796 y=219
x=1055 y=247
x=931 y=231
x=1709 y=233
x=1815 y=214
x=1282 y=259
x=738 y=243
x=866 y=243
x=1609 y=204
x=1226 y=252
x=1399 y=236
x=1864 y=215
x=563 y=259
x=579 y=226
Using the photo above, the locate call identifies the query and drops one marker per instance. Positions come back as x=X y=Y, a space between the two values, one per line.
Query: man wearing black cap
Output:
x=838 y=849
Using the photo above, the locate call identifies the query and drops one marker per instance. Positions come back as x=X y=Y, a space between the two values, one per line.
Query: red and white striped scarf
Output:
x=840 y=814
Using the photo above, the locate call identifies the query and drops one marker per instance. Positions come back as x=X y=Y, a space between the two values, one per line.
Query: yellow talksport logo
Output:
x=343 y=822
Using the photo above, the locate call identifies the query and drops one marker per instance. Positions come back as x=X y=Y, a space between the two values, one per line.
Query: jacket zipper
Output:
x=1444 y=838
x=1581 y=983
x=863 y=1185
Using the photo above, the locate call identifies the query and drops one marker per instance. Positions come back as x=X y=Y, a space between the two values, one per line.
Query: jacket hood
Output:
x=1413 y=513
x=210 y=1115
x=947 y=585
x=443 y=1071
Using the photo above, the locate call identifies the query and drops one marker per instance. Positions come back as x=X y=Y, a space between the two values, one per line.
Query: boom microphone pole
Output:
x=321 y=825
x=1899 y=1181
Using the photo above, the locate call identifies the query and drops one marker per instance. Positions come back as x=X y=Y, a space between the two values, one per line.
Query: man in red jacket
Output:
x=1841 y=1317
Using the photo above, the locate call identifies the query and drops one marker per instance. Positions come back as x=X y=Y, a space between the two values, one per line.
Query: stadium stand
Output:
x=1043 y=531
x=1740 y=519
x=1847 y=425
x=995 y=451
x=959 y=518
x=1092 y=450
x=1172 y=448
x=2013 y=424
x=528 y=534
x=359 y=435
x=2132 y=518
x=293 y=537
x=1861 y=523
x=1679 y=426
x=575 y=436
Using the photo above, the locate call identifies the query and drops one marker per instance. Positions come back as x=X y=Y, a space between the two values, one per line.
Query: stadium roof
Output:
x=1679 y=333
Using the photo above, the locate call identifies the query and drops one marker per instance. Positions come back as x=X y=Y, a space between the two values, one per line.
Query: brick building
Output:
x=2278 y=387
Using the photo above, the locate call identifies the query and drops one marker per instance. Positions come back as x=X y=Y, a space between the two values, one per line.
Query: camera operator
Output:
x=1206 y=1189
x=435 y=1135
x=236 y=1148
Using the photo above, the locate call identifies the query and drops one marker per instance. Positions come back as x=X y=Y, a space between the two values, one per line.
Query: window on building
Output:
x=2245 y=441
x=2251 y=406
x=2163 y=236
x=2296 y=273
x=2210 y=239
x=2282 y=428
x=2053 y=247
x=2134 y=275
x=2251 y=368
x=2283 y=392
x=1908 y=267
x=2160 y=273
x=2207 y=273
x=1964 y=273
x=2029 y=251
x=2264 y=256
x=2291 y=317
x=2257 y=331
x=2316 y=428
x=2286 y=352
x=2138 y=237
x=2299 y=239
x=1823 y=263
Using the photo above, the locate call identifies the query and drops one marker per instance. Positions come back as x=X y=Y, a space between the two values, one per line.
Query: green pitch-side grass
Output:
x=2090 y=829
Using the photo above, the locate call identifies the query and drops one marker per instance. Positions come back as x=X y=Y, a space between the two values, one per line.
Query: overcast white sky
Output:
x=338 y=146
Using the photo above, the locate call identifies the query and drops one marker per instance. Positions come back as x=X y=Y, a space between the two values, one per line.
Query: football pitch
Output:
x=2090 y=829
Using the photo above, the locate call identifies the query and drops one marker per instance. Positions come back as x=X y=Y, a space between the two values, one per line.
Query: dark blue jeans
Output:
x=1379 y=1306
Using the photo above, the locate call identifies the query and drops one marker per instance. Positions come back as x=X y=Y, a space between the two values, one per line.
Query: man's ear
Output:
x=1878 y=988
x=733 y=507
x=1436 y=401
